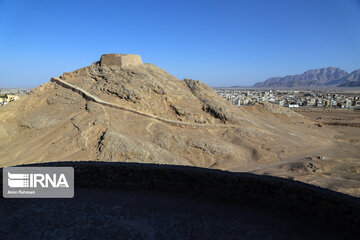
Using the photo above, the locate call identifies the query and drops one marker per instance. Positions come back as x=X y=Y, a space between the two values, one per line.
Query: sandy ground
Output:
x=337 y=167
x=333 y=116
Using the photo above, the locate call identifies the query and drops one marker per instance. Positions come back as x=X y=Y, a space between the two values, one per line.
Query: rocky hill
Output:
x=120 y=109
x=142 y=114
x=312 y=78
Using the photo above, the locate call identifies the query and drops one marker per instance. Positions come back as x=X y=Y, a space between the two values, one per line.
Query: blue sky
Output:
x=222 y=43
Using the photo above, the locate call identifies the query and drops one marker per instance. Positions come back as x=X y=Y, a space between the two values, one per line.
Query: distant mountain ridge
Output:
x=330 y=76
x=351 y=80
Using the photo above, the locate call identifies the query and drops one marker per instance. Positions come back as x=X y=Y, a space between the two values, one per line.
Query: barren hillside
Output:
x=119 y=109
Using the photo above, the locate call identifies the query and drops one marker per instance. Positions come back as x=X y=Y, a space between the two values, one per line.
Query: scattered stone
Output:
x=312 y=167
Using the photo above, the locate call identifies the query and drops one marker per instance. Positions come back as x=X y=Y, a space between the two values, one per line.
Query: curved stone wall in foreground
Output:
x=320 y=206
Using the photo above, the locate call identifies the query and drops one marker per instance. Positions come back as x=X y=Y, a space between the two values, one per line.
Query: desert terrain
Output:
x=122 y=110
x=336 y=168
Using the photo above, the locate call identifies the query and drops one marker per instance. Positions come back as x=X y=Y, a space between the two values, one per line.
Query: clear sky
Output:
x=222 y=43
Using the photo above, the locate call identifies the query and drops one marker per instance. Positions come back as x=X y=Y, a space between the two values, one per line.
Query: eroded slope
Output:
x=55 y=123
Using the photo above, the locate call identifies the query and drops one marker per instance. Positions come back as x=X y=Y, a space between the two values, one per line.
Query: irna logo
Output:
x=18 y=180
x=38 y=182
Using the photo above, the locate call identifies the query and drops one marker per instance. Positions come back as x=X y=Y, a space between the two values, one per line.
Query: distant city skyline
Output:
x=222 y=43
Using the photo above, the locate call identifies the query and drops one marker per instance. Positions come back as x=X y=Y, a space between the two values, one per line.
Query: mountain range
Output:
x=351 y=80
x=331 y=77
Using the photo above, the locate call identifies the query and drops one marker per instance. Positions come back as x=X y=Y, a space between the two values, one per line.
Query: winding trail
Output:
x=95 y=99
